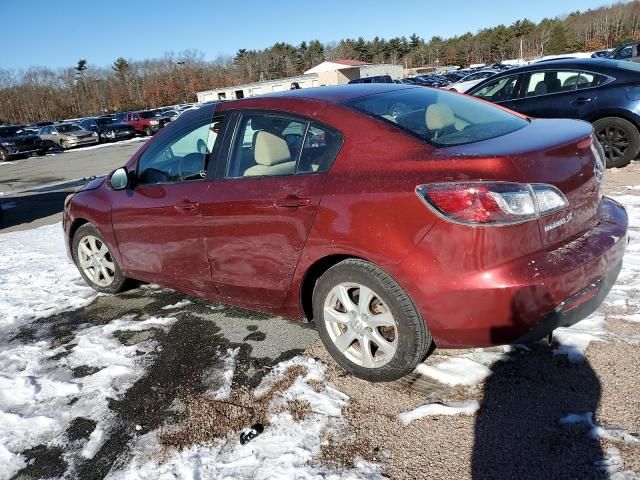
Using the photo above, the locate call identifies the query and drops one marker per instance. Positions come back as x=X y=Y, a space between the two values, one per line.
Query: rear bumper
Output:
x=574 y=309
x=522 y=300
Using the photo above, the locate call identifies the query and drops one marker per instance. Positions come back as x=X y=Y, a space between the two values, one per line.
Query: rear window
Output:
x=439 y=117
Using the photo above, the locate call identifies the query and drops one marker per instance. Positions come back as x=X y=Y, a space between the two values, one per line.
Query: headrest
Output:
x=439 y=116
x=270 y=149
x=541 y=88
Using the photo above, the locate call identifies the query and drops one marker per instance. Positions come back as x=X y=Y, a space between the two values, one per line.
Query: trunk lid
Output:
x=558 y=153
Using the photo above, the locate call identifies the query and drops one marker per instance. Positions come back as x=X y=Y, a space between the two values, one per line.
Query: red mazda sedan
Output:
x=395 y=217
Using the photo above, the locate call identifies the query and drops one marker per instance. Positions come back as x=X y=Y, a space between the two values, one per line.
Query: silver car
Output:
x=68 y=135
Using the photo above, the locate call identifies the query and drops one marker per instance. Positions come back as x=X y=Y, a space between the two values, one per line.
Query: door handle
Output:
x=291 y=201
x=187 y=207
x=581 y=100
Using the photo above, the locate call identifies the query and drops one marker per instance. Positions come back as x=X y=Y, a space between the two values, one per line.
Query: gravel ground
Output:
x=516 y=432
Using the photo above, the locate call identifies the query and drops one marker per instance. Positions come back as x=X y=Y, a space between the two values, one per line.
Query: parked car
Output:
x=39 y=124
x=430 y=81
x=146 y=122
x=601 y=53
x=471 y=80
x=603 y=92
x=171 y=115
x=67 y=135
x=450 y=224
x=109 y=129
x=374 y=79
x=628 y=51
x=16 y=141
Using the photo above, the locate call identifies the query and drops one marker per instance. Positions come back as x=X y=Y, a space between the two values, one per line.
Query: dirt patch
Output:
x=208 y=419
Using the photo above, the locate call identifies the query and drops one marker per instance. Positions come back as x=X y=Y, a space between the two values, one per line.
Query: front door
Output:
x=258 y=216
x=158 y=222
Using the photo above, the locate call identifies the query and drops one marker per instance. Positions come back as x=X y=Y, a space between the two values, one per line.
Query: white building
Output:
x=333 y=72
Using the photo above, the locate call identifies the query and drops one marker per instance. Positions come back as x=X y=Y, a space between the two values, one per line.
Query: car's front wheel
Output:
x=368 y=323
x=619 y=138
x=95 y=261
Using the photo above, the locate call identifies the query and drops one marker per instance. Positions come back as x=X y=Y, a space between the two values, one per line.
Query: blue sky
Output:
x=58 y=33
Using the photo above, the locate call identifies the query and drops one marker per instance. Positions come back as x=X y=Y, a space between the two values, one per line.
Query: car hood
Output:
x=92 y=184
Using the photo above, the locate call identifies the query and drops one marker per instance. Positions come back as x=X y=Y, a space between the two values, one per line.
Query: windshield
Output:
x=11 y=131
x=439 y=117
x=68 y=127
x=151 y=114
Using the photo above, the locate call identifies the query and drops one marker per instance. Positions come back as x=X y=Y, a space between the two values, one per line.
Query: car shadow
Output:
x=518 y=433
x=23 y=209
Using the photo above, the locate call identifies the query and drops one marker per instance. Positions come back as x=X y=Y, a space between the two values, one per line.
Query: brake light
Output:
x=491 y=203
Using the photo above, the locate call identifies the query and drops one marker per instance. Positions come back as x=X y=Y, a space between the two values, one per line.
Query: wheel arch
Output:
x=73 y=228
x=311 y=276
x=615 y=114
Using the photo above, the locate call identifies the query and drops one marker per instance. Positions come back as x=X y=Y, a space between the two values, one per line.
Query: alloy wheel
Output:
x=361 y=325
x=96 y=261
x=614 y=141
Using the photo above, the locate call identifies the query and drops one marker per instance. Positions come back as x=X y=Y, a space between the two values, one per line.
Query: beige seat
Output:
x=439 y=119
x=272 y=156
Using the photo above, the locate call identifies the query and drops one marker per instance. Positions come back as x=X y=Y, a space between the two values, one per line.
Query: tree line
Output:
x=41 y=93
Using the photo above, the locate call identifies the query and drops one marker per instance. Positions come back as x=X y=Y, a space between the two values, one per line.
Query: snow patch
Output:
x=597 y=432
x=180 y=304
x=456 y=371
x=36 y=278
x=221 y=381
x=575 y=339
x=286 y=448
x=35 y=390
x=468 y=407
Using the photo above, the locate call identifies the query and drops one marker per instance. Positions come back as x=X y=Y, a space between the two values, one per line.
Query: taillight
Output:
x=491 y=203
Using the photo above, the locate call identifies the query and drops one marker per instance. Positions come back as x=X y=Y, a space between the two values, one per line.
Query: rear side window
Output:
x=272 y=144
x=440 y=117
x=556 y=81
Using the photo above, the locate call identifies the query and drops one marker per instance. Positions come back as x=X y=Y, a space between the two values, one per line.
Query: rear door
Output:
x=258 y=214
x=558 y=94
x=158 y=222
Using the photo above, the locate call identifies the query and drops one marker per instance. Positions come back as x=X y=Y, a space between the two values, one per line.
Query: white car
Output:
x=461 y=86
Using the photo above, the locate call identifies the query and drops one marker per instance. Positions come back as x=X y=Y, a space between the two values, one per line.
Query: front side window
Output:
x=440 y=117
x=181 y=156
x=499 y=90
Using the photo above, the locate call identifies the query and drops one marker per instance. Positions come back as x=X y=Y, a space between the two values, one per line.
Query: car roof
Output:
x=580 y=63
x=339 y=93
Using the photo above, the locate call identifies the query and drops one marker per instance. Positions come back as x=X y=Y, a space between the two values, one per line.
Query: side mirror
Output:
x=54 y=133
x=119 y=179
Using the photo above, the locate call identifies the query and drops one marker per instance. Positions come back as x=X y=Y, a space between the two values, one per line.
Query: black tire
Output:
x=620 y=140
x=413 y=337
x=148 y=132
x=119 y=280
x=41 y=152
x=4 y=155
x=64 y=145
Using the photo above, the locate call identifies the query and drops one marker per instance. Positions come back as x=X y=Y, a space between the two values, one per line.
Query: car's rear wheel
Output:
x=4 y=156
x=95 y=261
x=368 y=323
x=619 y=138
